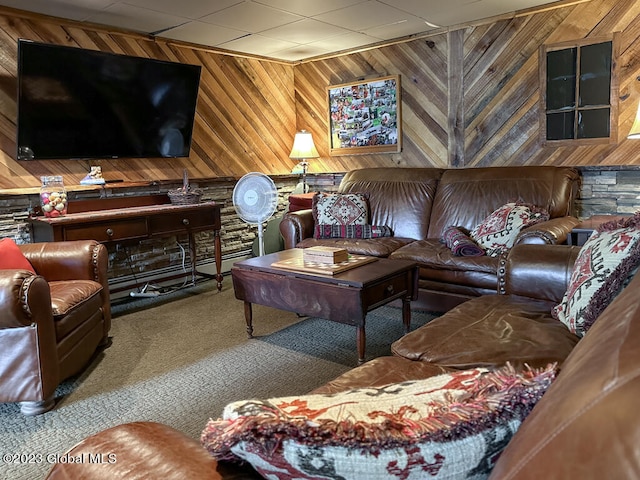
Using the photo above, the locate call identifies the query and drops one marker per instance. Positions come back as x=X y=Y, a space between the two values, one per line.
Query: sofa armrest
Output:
x=144 y=450
x=551 y=232
x=537 y=271
x=296 y=226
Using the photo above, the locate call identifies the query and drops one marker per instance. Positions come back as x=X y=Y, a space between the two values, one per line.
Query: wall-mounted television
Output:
x=75 y=103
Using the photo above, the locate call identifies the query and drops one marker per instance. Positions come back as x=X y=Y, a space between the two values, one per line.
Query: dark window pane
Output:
x=595 y=74
x=560 y=125
x=593 y=123
x=561 y=78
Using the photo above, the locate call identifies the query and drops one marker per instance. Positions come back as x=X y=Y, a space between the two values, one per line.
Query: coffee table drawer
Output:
x=381 y=292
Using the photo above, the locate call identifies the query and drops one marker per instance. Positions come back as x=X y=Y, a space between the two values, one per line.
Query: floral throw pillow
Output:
x=340 y=209
x=606 y=263
x=449 y=426
x=498 y=232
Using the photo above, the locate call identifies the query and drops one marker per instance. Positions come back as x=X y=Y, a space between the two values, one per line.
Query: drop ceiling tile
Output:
x=299 y=53
x=304 y=31
x=344 y=42
x=257 y=44
x=203 y=33
x=185 y=8
x=364 y=16
x=251 y=17
x=413 y=25
x=309 y=8
x=72 y=10
x=135 y=18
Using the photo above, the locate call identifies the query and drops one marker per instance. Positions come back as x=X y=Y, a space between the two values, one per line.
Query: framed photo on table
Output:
x=365 y=117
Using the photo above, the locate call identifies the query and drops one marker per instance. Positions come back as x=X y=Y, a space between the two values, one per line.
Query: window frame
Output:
x=613 y=91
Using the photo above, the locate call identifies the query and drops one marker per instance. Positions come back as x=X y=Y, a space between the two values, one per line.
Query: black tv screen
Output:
x=83 y=104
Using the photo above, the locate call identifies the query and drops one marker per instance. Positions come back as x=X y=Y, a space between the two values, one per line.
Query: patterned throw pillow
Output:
x=606 y=263
x=449 y=426
x=498 y=232
x=340 y=209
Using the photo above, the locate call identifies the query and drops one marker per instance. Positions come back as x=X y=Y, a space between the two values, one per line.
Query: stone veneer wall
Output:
x=608 y=190
x=611 y=190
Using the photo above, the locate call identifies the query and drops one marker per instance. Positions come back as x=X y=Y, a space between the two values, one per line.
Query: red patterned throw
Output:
x=498 y=232
x=449 y=426
x=606 y=263
x=460 y=243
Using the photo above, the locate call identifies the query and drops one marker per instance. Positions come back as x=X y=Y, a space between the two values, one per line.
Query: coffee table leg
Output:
x=248 y=317
x=361 y=340
x=406 y=314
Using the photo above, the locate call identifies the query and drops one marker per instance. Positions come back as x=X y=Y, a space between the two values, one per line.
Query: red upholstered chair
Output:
x=51 y=322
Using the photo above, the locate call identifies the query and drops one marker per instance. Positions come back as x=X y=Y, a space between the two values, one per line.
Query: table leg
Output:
x=361 y=340
x=406 y=314
x=218 y=256
x=248 y=317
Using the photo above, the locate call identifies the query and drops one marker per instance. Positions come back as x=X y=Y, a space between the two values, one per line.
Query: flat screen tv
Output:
x=75 y=103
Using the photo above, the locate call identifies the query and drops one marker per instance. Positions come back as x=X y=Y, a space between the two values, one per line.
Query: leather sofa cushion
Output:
x=375 y=247
x=489 y=331
x=382 y=371
x=490 y=187
x=400 y=198
x=433 y=253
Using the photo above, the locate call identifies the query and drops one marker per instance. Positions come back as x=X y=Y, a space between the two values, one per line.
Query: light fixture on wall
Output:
x=303 y=148
x=634 y=133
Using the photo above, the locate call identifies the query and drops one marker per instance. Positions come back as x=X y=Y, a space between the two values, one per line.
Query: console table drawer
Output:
x=109 y=231
x=179 y=222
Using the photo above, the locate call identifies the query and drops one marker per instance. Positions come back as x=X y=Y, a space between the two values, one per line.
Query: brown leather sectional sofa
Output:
x=585 y=426
x=420 y=203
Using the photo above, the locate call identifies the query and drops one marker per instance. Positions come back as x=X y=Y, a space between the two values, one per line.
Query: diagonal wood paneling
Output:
x=245 y=118
x=499 y=65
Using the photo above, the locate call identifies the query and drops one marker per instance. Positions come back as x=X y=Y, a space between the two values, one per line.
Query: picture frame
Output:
x=365 y=116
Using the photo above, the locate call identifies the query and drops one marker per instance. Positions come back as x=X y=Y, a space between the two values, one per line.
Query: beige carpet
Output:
x=178 y=360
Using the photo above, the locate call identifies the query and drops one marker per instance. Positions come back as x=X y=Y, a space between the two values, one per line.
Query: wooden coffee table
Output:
x=344 y=297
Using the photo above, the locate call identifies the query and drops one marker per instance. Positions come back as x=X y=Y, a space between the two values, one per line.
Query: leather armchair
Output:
x=51 y=323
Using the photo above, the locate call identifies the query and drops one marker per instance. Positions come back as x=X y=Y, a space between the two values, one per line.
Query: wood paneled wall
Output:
x=470 y=97
x=245 y=117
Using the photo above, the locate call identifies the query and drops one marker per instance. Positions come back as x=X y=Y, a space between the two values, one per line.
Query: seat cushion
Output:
x=376 y=247
x=382 y=371
x=490 y=331
x=73 y=302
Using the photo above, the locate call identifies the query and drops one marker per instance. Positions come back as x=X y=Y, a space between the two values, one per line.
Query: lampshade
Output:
x=634 y=133
x=303 y=146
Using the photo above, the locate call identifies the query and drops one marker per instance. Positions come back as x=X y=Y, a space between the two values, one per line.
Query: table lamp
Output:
x=634 y=133
x=303 y=148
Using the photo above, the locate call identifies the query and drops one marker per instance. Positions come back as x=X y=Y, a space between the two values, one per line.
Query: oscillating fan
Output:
x=255 y=198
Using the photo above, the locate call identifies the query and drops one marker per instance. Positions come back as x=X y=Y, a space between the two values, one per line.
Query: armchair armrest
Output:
x=551 y=232
x=25 y=300
x=537 y=271
x=296 y=226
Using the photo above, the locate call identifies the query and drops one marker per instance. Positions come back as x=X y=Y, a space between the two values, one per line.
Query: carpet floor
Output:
x=180 y=359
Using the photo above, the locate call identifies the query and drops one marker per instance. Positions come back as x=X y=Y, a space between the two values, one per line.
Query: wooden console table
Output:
x=131 y=219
